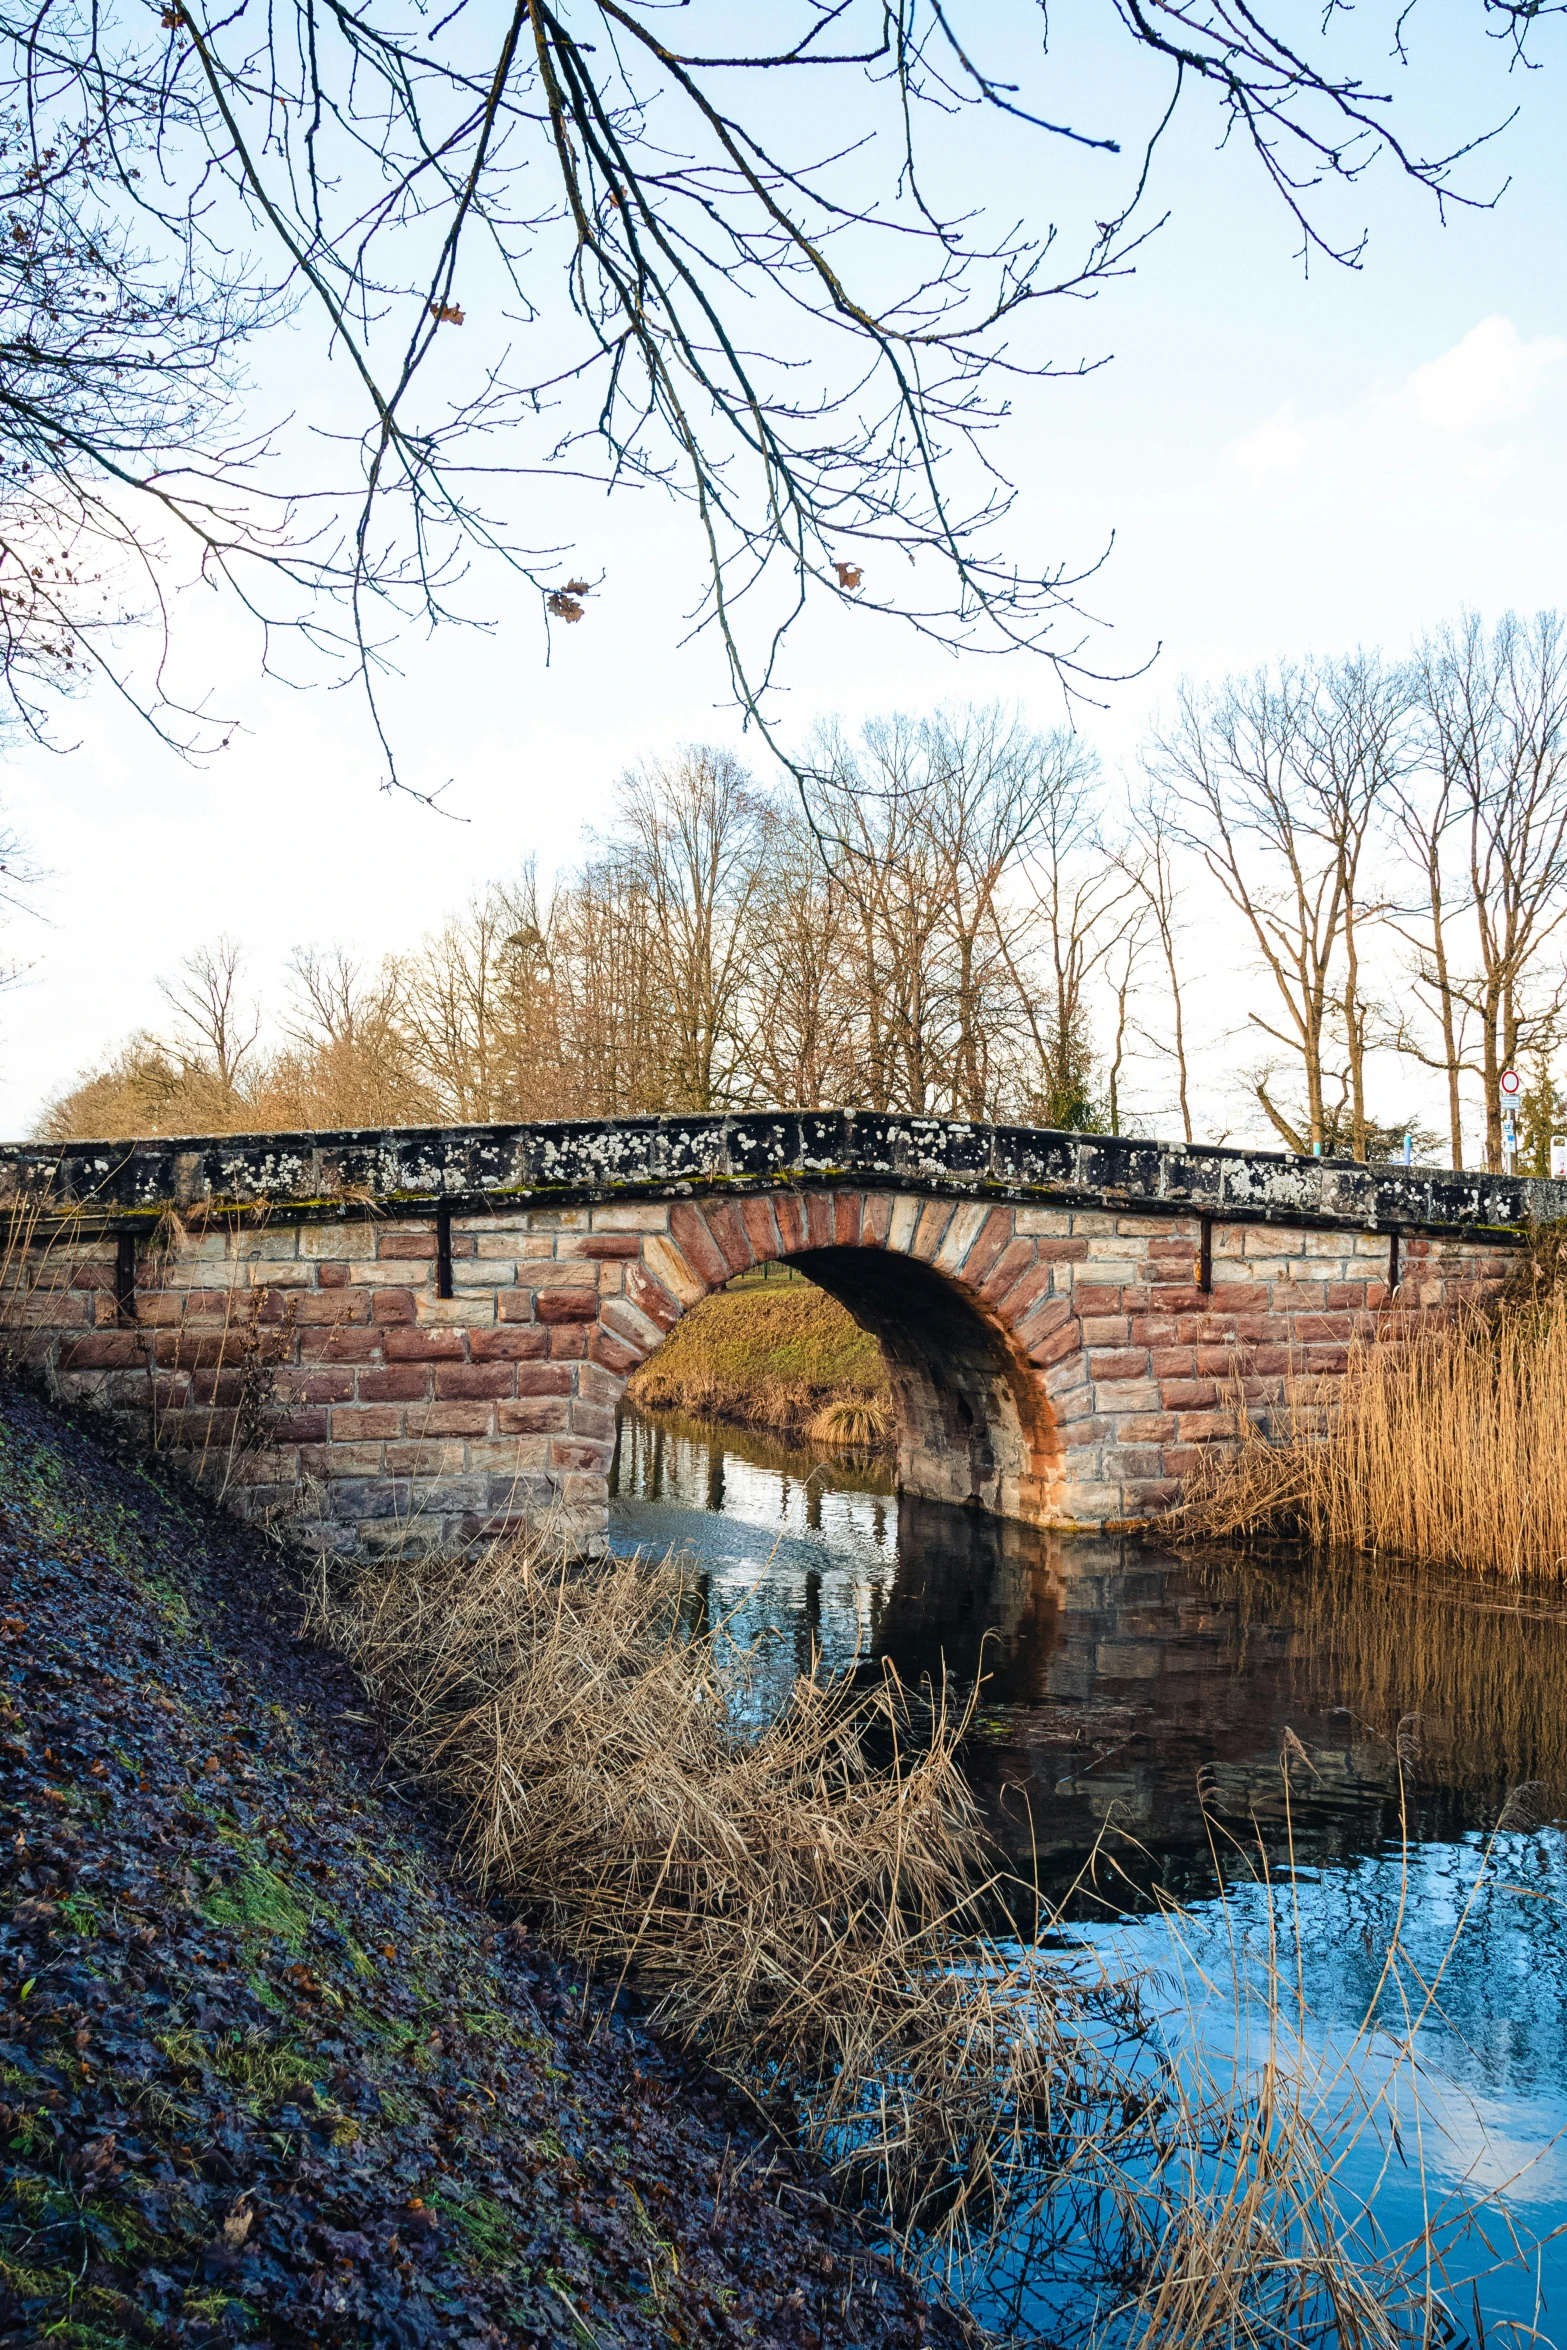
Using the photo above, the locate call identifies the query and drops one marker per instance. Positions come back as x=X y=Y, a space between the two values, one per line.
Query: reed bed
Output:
x=1447 y=1445
x=814 y=1907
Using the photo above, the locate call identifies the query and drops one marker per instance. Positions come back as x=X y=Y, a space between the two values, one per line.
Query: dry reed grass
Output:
x=789 y=1907
x=1447 y=1444
x=814 y=1908
x=852 y=1424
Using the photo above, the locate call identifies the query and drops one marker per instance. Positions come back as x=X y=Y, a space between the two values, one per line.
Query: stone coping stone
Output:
x=310 y=1177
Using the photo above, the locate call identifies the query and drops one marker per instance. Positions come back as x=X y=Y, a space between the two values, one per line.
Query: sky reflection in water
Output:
x=1118 y=1678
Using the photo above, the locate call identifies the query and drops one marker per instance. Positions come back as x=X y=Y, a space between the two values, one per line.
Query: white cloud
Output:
x=1472 y=398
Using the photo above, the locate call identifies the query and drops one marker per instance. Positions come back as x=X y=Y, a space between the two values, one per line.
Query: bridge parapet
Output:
x=401 y=1169
x=412 y=1339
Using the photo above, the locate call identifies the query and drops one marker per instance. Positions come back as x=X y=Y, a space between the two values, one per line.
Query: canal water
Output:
x=1198 y=1756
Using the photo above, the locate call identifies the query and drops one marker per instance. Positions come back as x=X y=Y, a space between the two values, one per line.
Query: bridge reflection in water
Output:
x=1126 y=1687
x=1135 y=1707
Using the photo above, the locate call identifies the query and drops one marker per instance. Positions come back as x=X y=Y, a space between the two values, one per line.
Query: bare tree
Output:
x=600 y=242
x=692 y=841
x=1148 y=860
x=211 y=1016
x=1486 y=825
x=1281 y=779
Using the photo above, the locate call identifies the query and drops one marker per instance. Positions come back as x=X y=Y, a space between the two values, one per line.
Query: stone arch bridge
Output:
x=409 y=1338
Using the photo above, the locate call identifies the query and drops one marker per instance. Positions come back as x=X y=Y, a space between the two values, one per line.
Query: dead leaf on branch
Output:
x=849 y=574
x=563 y=604
x=446 y=313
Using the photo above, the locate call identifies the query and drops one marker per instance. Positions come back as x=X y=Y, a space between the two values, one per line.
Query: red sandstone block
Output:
x=1130 y=1363
x=568 y=1305
x=1062 y=1252
x=1090 y=1430
x=540 y=1415
x=163 y=1308
x=1179 y=1246
x=1108 y=1330
x=393 y=1305
x=761 y=1229
x=297 y=1427
x=607 y=1244
x=818 y=1220
x=1242 y=1297
x=464 y=1382
x=847 y=1209
x=1127 y=1461
x=334 y=1309
x=331 y=1275
x=993 y=1236
x=1044 y=1317
x=1271 y=1361
x=398 y=1383
x=1325 y=1361
x=650 y=1297
x=594 y=1383
x=415 y=1246
x=507 y=1342
x=1188 y=1395
x=450 y=1419
x=727 y=1225
x=514 y=1305
x=323 y=1386
x=1304 y=1326
x=789 y=1216
x=1154 y=1330
x=1204 y=1427
x=1027 y=1292
x=568 y=1342
x=701 y=1251
x=223 y=1388
x=1146 y=1428
x=1055 y=1349
x=930 y=1229
x=414 y=1345
x=1346 y=1297
x=86 y=1275
x=329 y=1461
x=360 y=1424
x=1254 y=1327
x=422 y=1459
x=612 y=1353
x=1098 y=1297
x=340 y=1346
x=544 y=1379
x=592 y=1419
x=1222 y=1362
x=1164 y=1273
x=108 y=1350
x=570 y=1452
x=1014 y=1261
x=876 y=1222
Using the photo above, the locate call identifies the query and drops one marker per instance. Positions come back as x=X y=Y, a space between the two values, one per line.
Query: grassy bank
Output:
x=1447 y=1445
x=271 y=2072
x=776 y=1353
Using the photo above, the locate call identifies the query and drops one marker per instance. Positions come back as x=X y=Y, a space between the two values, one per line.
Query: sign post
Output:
x=1510 y=1088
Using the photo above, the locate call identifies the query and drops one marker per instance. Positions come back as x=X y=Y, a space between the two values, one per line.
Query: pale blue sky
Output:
x=1285 y=461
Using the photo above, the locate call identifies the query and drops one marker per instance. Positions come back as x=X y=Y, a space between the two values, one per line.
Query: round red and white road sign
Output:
x=1512 y=1084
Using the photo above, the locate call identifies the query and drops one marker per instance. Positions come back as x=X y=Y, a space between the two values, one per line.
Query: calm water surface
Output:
x=1133 y=1716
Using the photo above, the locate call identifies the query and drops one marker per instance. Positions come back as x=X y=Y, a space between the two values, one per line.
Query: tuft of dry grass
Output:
x=852 y=1424
x=1446 y=1444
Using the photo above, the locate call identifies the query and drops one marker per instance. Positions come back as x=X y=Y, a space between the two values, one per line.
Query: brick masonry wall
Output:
x=313 y=1371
